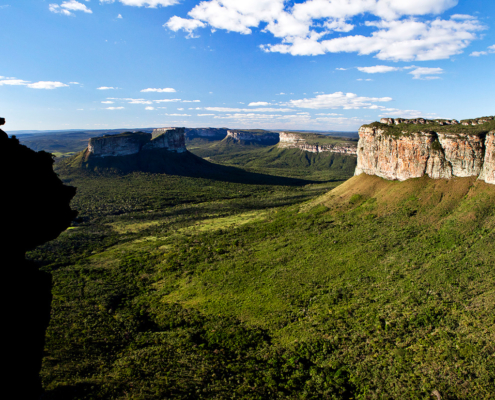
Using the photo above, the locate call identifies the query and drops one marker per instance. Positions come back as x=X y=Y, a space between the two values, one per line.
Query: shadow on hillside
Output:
x=170 y=163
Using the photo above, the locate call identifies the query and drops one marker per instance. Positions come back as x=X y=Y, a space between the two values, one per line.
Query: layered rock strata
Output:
x=252 y=137
x=437 y=155
x=295 y=141
x=171 y=139
x=207 y=133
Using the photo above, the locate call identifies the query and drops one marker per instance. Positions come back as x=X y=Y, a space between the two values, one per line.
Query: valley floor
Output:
x=184 y=287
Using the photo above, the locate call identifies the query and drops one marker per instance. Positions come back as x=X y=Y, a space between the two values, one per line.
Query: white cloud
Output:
x=119 y=16
x=144 y=3
x=13 y=82
x=191 y=101
x=67 y=6
x=228 y=109
x=205 y=115
x=189 y=25
x=36 y=85
x=347 y=101
x=341 y=69
x=426 y=73
x=107 y=102
x=164 y=90
x=106 y=88
x=377 y=69
x=258 y=103
x=491 y=49
x=303 y=28
x=74 y=83
x=46 y=85
x=114 y=108
x=149 y=108
x=167 y=101
x=178 y=115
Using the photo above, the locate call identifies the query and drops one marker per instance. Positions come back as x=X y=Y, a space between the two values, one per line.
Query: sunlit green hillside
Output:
x=187 y=287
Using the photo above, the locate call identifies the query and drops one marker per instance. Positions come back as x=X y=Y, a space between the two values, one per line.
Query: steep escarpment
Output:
x=206 y=133
x=410 y=150
x=129 y=143
x=253 y=136
x=316 y=143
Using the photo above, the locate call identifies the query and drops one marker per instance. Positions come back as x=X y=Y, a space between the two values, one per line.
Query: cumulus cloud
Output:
x=13 y=82
x=377 y=69
x=426 y=73
x=167 y=101
x=36 y=85
x=396 y=32
x=164 y=90
x=107 y=102
x=491 y=49
x=228 y=109
x=258 y=103
x=46 y=85
x=106 y=88
x=347 y=101
x=144 y=3
x=149 y=108
x=67 y=6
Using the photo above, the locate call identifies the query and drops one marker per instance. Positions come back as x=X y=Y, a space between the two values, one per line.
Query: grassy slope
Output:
x=276 y=161
x=375 y=290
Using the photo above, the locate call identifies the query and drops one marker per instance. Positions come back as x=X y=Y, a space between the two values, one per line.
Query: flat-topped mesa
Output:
x=208 y=133
x=247 y=136
x=124 y=144
x=300 y=141
x=439 y=151
x=172 y=139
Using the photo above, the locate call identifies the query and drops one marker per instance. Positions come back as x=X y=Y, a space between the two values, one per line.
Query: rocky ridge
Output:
x=297 y=141
x=247 y=136
x=171 y=139
x=436 y=153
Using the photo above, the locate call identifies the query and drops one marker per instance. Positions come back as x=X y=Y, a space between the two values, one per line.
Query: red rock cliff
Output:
x=437 y=154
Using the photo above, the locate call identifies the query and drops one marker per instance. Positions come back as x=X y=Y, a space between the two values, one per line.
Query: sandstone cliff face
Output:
x=438 y=155
x=295 y=141
x=208 y=133
x=118 y=145
x=253 y=137
x=171 y=139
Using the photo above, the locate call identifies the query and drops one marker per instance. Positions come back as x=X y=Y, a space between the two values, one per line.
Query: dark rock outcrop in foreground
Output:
x=34 y=209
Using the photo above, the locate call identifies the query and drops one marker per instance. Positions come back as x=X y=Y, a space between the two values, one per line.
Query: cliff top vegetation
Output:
x=123 y=134
x=322 y=140
x=404 y=129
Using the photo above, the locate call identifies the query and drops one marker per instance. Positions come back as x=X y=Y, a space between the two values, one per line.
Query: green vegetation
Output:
x=322 y=140
x=189 y=287
x=281 y=162
x=408 y=129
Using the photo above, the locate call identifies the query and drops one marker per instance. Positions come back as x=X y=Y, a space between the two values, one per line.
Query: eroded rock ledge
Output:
x=437 y=153
x=297 y=141
x=172 y=139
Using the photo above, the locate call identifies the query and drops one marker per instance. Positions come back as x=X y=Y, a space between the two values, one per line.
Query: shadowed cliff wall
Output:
x=34 y=209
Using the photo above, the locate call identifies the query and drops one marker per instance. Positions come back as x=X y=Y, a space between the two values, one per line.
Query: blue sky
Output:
x=307 y=64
